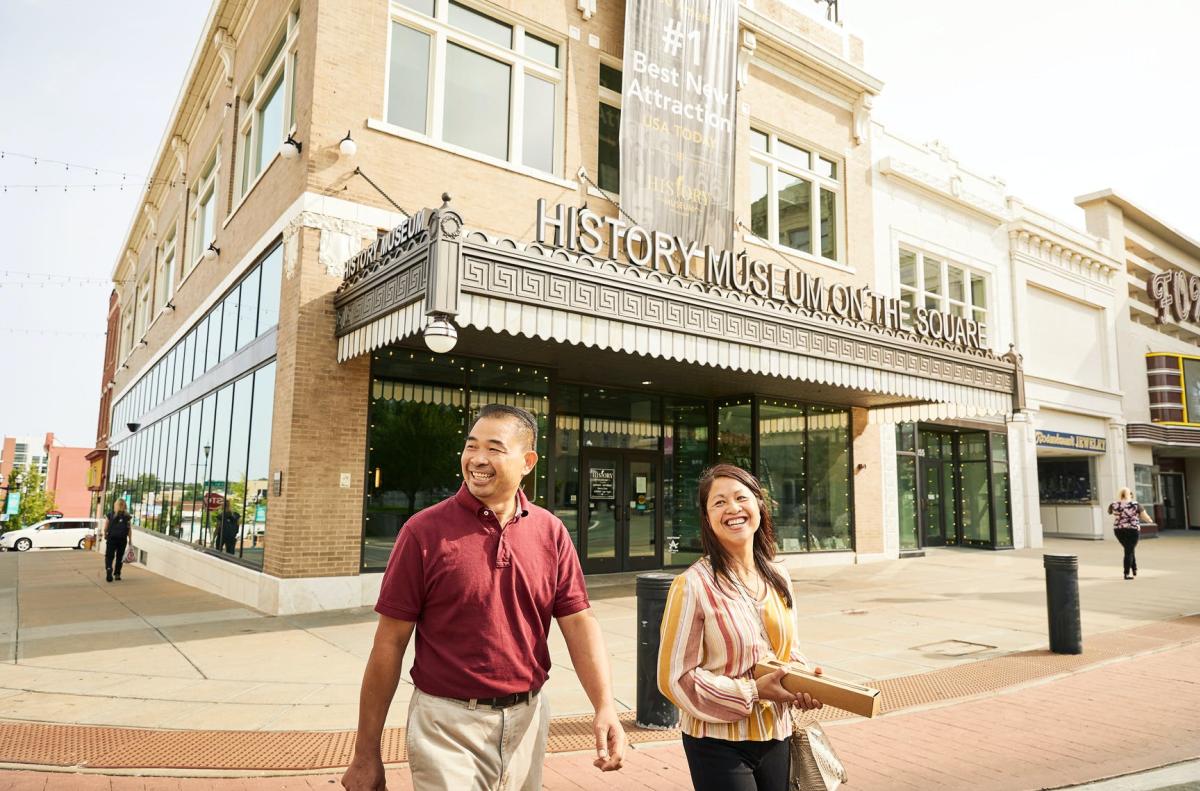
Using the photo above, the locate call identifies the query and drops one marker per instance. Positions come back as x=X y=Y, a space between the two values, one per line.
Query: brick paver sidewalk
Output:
x=1125 y=716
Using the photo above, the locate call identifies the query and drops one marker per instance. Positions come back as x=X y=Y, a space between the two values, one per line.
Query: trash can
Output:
x=1062 y=603
x=89 y=542
x=653 y=710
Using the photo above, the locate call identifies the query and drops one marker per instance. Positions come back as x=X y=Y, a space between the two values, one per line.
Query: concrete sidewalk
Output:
x=149 y=652
x=1127 y=715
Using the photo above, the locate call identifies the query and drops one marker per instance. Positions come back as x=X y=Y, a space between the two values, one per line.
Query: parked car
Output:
x=49 y=533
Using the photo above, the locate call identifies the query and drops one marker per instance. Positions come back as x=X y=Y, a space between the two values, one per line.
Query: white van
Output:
x=52 y=533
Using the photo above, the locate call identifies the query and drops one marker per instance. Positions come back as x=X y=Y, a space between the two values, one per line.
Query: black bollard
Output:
x=1062 y=603
x=653 y=710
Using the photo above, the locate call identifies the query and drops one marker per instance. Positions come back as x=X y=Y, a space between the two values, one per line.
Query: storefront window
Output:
x=1065 y=480
x=621 y=419
x=1000 y=491
x=567 y=430
x=415 y=440
x=781 y=470
x=735 y=433
x=1144 y=484
x=685 y=455
x=974 y=498
x=829 y=478
x=906 y=480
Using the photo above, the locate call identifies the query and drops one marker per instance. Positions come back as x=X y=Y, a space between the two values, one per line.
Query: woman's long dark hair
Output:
x=764 y=537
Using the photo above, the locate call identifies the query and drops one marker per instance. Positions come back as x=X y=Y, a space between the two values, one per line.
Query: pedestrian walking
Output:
x=116 y=537
x=1128 y=516
x=228 y=530
x=727 y=611
x=478 y=577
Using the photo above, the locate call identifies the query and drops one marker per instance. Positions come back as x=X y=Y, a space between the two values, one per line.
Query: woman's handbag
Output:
x=130 y=554
x=815 y=766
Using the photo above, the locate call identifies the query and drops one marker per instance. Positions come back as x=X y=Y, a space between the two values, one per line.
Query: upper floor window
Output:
x=143 y=306
x=127 y=329
x=166 y=269
x=932 y=282
x=608 y=145
x=268 y=107
x=204 y=210
x=795 y=195
x=468 y=79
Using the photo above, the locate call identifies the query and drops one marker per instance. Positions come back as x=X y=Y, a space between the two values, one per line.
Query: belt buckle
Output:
x=511 y=699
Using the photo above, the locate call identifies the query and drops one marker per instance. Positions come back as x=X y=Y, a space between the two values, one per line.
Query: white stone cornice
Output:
x=749 y=43
x=179 y=149
x=1051 y=249
x=944 y=188
x=151 y=213
x=225 y=48
x=862 y=117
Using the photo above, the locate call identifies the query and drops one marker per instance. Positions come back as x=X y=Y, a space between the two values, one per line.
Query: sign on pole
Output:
x=213 y=501
x=678 y=116
x=14 y=503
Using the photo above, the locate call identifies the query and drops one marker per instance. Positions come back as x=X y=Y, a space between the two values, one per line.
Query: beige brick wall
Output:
x=868 y=483
x=319 y=431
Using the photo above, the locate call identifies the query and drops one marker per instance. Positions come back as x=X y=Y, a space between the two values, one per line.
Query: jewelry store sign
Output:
x=583 y=231
x=1060 y=439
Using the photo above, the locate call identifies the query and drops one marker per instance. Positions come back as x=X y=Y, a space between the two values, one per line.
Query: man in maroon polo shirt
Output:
x=478 y=577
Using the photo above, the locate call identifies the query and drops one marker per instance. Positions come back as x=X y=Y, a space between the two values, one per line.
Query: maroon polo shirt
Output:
x=482 y=596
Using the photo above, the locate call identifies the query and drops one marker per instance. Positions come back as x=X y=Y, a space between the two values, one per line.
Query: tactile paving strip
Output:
x=134 y=748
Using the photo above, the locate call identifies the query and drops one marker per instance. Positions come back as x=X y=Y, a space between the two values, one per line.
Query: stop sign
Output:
x=213 y=501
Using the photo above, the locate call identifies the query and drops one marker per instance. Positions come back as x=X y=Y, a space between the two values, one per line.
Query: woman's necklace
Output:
x=744 y=575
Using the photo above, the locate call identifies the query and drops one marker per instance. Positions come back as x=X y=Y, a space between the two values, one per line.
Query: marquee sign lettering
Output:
x=581 y=230
x=374 y=255
x=1061 y=439
x=1176 y=295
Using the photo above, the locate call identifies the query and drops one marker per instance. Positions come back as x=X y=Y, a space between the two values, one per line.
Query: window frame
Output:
x=282 y=68
x=612 y=99
x=817 y=181
x=168 y=260
x=204 y=186
x=918 y=295
x=144 y=305
x=441 y=34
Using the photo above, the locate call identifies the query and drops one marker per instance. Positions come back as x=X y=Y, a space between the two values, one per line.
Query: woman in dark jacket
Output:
x=116 y=537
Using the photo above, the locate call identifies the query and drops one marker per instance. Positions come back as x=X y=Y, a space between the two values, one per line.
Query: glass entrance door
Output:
x=1174 y=505
x=936 y=502
x=622 y=525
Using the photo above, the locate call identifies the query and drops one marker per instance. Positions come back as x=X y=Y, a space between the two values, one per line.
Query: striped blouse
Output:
x=711 y=640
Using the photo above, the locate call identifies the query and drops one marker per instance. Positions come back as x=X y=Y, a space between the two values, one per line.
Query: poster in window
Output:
x=678 y=116
x=602 y=483
x=1191 y=389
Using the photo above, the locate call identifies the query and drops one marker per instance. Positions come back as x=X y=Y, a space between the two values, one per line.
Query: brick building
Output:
x=64 y=470
x=343 y=188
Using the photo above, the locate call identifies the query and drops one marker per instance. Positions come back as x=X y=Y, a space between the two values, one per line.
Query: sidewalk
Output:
x=150 y=653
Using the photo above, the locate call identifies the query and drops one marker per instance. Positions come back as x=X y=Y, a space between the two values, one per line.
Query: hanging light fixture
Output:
x=440 y=334
x=291 y=148
x=211 y=252
x=347 y=147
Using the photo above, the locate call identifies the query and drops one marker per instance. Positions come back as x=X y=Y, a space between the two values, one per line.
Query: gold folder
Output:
x=844 y=695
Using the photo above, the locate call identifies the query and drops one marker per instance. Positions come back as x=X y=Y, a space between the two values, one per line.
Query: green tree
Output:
x=416 y=447
x=35 y=500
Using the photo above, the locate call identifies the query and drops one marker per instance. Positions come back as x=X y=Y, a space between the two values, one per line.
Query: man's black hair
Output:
x=526 y=422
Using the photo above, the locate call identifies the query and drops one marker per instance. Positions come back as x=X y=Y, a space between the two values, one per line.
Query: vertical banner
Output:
x=678 y=103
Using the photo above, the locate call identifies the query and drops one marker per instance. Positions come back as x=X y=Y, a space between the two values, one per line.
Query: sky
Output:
x=1056 y=98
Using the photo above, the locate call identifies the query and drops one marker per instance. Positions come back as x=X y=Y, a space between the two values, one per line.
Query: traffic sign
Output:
x=214 y=500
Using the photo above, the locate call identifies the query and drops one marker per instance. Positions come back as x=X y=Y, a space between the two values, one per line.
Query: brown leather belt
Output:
x=503 y=701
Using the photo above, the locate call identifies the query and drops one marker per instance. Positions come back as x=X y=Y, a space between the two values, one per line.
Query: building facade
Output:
x=63 y=470
x=1157 y=314
x=307 y=327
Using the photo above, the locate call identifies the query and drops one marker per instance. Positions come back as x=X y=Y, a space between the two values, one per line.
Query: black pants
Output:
x=114 y=554
x=720 y=765
x=1129 y=539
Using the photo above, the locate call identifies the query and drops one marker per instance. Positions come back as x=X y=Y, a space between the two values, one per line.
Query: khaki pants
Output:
x=454 y=748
